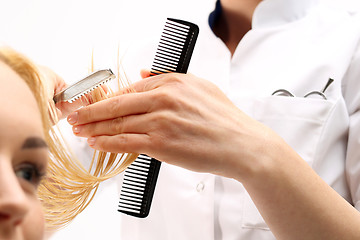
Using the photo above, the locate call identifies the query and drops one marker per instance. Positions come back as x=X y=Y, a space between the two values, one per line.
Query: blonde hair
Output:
x=69 y=187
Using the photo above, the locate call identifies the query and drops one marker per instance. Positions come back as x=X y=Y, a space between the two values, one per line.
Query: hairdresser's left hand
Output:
x=176 y=118
x=55 y=84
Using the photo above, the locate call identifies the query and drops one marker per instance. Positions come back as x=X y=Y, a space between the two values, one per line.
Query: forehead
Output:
x=19 y=113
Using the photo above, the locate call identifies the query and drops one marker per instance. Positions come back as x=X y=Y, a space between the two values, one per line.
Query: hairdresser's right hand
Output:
x=180 y=119
x=55 y=84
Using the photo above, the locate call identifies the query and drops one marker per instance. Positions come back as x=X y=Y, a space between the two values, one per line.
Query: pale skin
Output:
x=55 y=86
x=187 y=121
x=23 y=160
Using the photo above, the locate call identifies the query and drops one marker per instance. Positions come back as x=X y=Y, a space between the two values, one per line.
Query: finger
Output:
x=118 y=106
x=139 y=86
x=157 y=81
x=65 y=108
x=135 y=87
x=123 y=143
x=54 y=83
x=130 y=124
x=150 y=83
x=106 y=88
x=59 y=84
x=144 y=73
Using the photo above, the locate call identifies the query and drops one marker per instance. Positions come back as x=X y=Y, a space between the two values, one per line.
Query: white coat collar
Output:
x=272 y=13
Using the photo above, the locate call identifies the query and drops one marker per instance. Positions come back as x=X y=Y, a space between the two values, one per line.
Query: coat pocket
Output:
x=300 y=122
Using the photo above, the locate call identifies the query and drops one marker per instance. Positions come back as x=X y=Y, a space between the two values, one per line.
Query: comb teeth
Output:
x=173 y=54
x=175 y=47
x=138 y=186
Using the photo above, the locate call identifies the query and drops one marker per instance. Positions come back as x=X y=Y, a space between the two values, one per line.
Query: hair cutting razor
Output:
x=84 y=86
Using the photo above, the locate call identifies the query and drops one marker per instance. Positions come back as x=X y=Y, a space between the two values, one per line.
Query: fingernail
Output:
x=76 y=129
x=91 y=141
x=73 y=118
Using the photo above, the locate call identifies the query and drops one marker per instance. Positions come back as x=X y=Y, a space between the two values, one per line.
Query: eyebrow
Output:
x=34 y=142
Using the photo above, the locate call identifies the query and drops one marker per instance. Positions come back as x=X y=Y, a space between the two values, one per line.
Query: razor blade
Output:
x=84 y=86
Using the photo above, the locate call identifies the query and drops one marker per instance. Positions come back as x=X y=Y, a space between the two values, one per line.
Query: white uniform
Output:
x=294 y=45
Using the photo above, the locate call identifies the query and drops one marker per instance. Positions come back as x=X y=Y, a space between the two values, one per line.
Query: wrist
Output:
x=266 y=155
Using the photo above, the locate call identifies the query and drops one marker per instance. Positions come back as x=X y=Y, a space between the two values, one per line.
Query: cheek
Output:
x=34 y=224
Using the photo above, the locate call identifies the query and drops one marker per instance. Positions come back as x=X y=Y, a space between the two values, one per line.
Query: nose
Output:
x=14 y=203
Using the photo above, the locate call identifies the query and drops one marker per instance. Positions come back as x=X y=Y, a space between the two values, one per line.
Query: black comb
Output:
x=173 y=54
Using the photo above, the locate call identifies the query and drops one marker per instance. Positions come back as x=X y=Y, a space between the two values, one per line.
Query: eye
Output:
x=29 y=172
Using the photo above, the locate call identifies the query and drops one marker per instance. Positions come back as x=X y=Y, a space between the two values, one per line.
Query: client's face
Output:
x=23 y=159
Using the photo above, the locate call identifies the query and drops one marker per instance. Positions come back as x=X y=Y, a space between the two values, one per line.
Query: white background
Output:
x=61 y=34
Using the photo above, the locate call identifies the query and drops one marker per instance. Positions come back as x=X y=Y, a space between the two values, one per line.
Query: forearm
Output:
x=296 y=203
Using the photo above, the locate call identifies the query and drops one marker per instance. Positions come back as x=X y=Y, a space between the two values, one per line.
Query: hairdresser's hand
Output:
x=176 y=118
x=55 y=84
